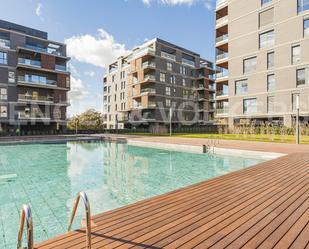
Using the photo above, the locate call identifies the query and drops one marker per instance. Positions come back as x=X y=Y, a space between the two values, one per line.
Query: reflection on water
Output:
x=48 y=177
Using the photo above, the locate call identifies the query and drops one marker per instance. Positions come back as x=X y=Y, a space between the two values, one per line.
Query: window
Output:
x=301 y=77
x=250 y=106
x=3 y=94
x=11 y=77
x=162 y=77
x=296 y=54
x=241 y=87
x=183 y=70
x=271 y=82
x=263 y=2
x=270 y=104
x=3 y=58
x=266 y=17
x=302 y=5
x=306 y=26
x=167 y=90
x=270 y=60
x=249 y=65
x=184 y=82
x=267 y=39
x=172 y=79
x=3 y=111
x=295 y=99
x=169 y=66
x=168 y=102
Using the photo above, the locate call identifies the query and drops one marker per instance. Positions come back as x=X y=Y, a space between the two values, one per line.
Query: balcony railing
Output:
x=43 y=50
x=26 y=97
x=212 y=87
x=222 y=110
x=148 y=90
x=222 y=20
x=134 y=80
x=168 y=56
x=222 y=56
x=222 y=93
x=142 y=52
x=148 y=64
x=28 y=62
x=29 y=80
x=188 y=62
x=220 y=3
x=148 y=77
x=222 y=38
x=27 y=115
x=222 y=75
x=152 y=104
x=61 y=68
x=5 y=43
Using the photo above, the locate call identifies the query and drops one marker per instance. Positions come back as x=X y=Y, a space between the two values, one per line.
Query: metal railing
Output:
x=5 y=43
x=35 y=98
x=25 y=216
x=222 y=38
x=60 y=68
x=168 y=56
x=83 y=196
x=148 y=64
x=29 y=62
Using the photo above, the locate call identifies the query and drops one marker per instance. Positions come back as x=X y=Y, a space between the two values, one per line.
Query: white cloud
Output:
x=90 y=73
x=77 y=91
x=98 y=50
x=38 y=9
x=207 y=3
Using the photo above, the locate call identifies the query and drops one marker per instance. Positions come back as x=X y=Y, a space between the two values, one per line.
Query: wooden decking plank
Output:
x=210 y=228
x=206 y=189
x=143 y=230
x=270 y=199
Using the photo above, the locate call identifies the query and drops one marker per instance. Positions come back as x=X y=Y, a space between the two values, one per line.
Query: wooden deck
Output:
x=265 y=206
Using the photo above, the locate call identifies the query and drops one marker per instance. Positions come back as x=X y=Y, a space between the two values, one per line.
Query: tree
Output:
x=89 y=120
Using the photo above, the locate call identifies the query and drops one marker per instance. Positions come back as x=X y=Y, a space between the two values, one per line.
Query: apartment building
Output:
x=156 y=83
x=34 y=80
x=262 y=52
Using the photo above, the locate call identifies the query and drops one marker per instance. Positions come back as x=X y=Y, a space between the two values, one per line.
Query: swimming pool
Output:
x=48 y=177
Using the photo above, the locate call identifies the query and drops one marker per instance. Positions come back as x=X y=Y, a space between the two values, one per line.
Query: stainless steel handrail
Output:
x=88 y=224
x=25 y=215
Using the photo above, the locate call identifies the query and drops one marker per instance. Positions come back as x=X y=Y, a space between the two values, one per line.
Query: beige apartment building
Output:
x=262 y=51
x=156 y=84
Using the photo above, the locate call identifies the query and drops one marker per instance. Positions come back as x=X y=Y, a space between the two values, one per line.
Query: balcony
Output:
x=37 y=81
x=222 y=75
x=222 y=111
x=222 y=56
x=212 y=87
x=33 y=116
x=222 y=21
x=31 y=98
x=5 y=43
x=222 y=38
x=144 y=51
x=188 y=62
x=220 y=3
x=61 y=68
x=29 y=62
x=168 y=56
x=149 y=64
x=134 y=81
x=149 y=77
x=151 y=104
x=148 y=91
x=222 y=93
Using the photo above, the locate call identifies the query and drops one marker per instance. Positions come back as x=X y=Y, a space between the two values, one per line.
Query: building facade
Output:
x=262 y=51
x=34 y=80
x=156 y=83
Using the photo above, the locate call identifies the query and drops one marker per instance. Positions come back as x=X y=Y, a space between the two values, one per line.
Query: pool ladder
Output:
x=26 y=215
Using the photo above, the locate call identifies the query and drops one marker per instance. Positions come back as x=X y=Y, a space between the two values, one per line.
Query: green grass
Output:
x=251 y=137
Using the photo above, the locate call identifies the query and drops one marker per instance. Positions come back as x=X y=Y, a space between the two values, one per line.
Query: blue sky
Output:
x=97 y=31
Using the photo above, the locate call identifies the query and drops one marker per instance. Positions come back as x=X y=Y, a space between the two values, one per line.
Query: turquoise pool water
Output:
x=48 y=176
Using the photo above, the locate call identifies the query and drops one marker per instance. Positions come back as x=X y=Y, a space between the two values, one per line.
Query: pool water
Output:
x=48 y=177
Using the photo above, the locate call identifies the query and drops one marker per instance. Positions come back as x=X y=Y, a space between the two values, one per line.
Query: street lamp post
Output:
x=297 y=121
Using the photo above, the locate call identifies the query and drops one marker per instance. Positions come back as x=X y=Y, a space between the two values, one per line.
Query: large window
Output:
x=3 y=94
x=169 y=66
x=267 y=39
x=249 y=65
x=270 y=60
x=162 y=77
x=270 y=104
x=173 y=79
x=271 y=82
x=296 y=54
x=241 y=87
x=263 y=2
x=3 y=111
x=250 y=106
x=167 y=90
x=306 y=26
x=3 y=58
x=302 y=5
x=183 y=70
x=301 y=77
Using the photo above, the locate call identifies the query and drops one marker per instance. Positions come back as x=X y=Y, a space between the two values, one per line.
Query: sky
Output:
x=99 y=31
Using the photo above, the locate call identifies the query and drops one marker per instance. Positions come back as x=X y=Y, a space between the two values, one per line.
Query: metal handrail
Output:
x=88 y=224
x=25 y=215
